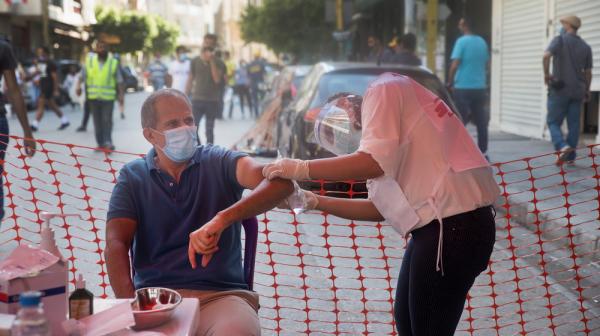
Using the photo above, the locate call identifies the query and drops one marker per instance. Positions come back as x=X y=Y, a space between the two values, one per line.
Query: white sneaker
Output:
x=564 y=153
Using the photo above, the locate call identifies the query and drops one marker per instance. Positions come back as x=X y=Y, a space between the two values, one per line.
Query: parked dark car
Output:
x=295 y=135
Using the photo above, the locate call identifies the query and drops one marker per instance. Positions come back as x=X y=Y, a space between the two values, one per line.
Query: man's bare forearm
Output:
x=266 y=196
x=119 y=270
x=216 y=74
x=546 y=65
x=18 y=103
x=588 y=79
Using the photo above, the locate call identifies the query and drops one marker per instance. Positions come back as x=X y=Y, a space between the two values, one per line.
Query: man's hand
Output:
x=30 y=144
x=547 y=79
x=78 y=91
x=56 y=93
x=204 y=240
x=587 y=97
x=290 y=169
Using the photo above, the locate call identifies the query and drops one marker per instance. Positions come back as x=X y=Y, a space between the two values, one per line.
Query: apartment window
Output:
x=57 y=3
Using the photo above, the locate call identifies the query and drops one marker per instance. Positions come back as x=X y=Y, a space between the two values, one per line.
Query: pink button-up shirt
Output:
x=432 y=168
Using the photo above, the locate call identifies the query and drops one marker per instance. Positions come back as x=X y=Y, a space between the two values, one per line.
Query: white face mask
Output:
x=180 y=143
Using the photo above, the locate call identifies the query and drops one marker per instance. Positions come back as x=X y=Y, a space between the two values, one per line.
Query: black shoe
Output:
x=64 y=125
x=80 y=129
x=122 y=115
x=34 y=128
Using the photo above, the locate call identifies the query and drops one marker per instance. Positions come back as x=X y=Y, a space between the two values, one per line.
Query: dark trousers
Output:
x=3 y=145
x=102 y=112
x=255 y=95
x=428 y=303
x=243 y=94
x=201 y=108
x=559 y=109
x=86 y=114
x=472 y=106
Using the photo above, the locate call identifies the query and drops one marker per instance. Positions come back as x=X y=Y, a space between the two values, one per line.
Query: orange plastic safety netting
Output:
x=319 y=274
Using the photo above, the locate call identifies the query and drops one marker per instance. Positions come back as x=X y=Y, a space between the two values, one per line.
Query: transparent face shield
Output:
x=338 y=125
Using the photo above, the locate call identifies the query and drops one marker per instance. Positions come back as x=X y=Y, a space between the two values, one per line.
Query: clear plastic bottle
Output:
x=30 y=319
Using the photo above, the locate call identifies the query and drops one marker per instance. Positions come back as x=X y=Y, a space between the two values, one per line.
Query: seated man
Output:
x=176 y=188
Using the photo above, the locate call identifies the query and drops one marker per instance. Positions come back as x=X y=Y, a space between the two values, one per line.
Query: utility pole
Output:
x=339 y=20
x=46 y=25
x=432 y=30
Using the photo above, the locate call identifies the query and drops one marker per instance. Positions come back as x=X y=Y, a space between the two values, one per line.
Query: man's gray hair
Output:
x=149 y=117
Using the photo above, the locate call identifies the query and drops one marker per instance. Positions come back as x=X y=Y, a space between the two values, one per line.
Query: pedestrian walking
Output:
x=467 y=80
x=256 y=74
x=179 y=70
x=104 y=84
x=203 y=86
x=568 y=85
x=241 y=89
x=8 y=64
x=404 y=50
x=157 y=71
x=426 y=178
x=49 y=89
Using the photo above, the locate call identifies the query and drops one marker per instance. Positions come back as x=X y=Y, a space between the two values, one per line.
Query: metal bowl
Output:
x=154 y=306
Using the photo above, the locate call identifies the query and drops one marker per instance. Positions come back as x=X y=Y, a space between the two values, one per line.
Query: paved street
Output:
x=127 y=133
x=283 y=245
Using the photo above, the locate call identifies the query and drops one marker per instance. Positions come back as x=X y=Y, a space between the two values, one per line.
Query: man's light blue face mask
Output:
x=561 y=29
x=180 y=143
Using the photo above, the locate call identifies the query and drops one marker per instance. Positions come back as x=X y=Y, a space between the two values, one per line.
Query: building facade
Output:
x=227 y=26
x=57 y=24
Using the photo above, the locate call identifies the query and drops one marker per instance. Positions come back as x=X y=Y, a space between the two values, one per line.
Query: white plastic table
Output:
x=184 y=321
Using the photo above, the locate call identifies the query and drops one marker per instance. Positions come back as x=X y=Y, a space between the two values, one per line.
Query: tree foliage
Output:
x=165 y=39
x=135 y=31
x=290 y=26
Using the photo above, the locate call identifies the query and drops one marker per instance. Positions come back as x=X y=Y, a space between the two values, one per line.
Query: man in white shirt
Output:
x=179 y=70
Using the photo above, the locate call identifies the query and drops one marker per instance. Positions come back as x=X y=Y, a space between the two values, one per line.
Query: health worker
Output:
x=427 y=179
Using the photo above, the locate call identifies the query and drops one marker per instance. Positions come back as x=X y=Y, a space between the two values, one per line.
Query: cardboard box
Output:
x=52 y=281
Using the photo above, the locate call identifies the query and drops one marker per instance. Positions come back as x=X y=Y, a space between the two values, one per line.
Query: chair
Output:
x=250 y=226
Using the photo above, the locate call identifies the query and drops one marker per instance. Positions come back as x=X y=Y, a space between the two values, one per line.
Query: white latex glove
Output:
x=308 y=200
x=289 y=169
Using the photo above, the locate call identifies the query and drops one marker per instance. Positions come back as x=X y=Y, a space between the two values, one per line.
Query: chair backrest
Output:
x=250 y=226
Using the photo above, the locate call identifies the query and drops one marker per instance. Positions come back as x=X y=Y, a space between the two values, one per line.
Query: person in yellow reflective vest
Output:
x=104 y=85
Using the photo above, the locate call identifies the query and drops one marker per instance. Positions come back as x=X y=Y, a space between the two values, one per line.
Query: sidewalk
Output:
x=560 y=204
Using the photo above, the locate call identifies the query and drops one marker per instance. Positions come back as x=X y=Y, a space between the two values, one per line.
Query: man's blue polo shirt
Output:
x=167 y=212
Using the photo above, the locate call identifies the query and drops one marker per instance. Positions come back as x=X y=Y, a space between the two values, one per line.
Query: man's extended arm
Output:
x=119 y=236
x=452 y=72
x=265 y=195
x=18 y=106
x=588 y=82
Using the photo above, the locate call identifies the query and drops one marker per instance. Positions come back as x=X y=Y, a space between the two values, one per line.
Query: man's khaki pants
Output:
x=226 y=313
